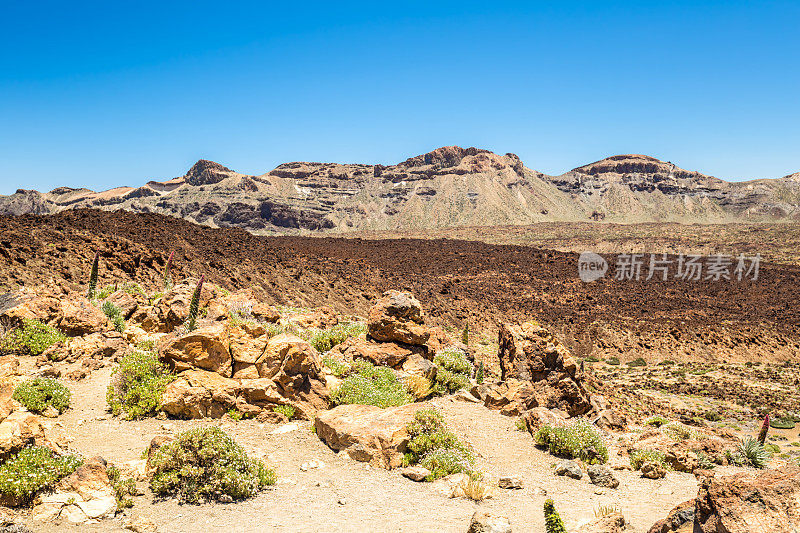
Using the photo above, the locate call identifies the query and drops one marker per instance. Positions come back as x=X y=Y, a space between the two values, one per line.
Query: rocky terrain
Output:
x=448 y=187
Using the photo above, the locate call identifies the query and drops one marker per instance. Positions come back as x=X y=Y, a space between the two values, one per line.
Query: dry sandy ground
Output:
x=345 y=495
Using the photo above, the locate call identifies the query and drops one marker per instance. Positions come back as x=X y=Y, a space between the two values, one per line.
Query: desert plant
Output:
x=114 y=315
x=167 y=272
x=704 y=461
x=783 y=422
x=33 y=338
x=639 y=361
x=762 y=435
x=325 y=339
x=552 y=521
x=123 y=488
x=371 y=385
x=137 y=384
x=433 y=446
x=479 y=373
x=592 y=359
x=337 y=367
x=37 y=394
x=751 y=452
x=580 y=440
x=206 y=463
x=285 y=410
x=475 y=486
x=93 y=276
x=605 y=510
x=32 y=470
x=420 y=387
x=640 y=457
x=194 y=306
x=452 y=371
x=678 y=431
x=612 y=361
x=465 y=334
x=656 y=421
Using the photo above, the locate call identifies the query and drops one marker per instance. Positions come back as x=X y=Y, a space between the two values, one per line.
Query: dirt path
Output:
x=345 y=495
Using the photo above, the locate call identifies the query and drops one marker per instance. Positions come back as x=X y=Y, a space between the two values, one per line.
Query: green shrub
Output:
x=337 y=367
x=123 y=488
x=656 y=421
x=712 y=416
x=612 y=361
x=552 y=520
x=285 y=410
x=433 y=446
x=93 y=276
x=137 y=384
x=371 y=385
x=580 y=440
x=205 y=464
x=325 y=339
x=704 y=462
x=452 y=371
x=750 y=452
x=592 y=359
x=465 y=334
x=32 y=470
x=639 y=361
x=32 y=338
x=114 y=315
x=784 y=422
x=38 y=394
x=678 y=431
x=640 y=457
x=479 y=373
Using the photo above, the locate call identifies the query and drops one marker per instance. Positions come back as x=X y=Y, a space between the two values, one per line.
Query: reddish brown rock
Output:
x=319 y=318
x=679 y=520
x=125 y=301
x=78 y=316
x=204 y=348
x=390 y=354
x=25 y=304
x=199 y=394
x=398 y=317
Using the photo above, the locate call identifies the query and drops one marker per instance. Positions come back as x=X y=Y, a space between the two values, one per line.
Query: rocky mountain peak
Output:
x=206 y=172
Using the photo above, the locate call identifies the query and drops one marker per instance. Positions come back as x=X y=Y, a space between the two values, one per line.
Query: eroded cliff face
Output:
x=448 y=187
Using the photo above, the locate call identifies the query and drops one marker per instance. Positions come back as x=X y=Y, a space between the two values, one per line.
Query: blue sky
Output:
x=99 y=94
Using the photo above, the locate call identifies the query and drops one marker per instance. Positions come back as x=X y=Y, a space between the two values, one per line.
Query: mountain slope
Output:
x=448 y=187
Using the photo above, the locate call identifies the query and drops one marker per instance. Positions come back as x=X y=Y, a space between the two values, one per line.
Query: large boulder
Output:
x=86 y=494
x=25 y=304
x=749 y=503
x=485 y=522
x=78 y=316
x=531 y=353
x=398 y=317
x=610 y=523
x=679 y=520
x=205 y=348
x=369 y=433
x=199 y=394
x=390 y=354
x=97 y=345
x=125 y=301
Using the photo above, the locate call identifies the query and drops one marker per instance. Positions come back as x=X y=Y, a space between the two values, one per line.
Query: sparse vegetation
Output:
x=433 y=446
x=656 y=421
x=452 y=372
x=479 y=373
x=783 y=422
x=419 y=387
x=32 y=470
x=286 y=410
x=204 y=464
x=123 y=488
x=678 y=431
x=465 y=334
x=605 y=510
x=194 y=306
x=578 y=440
x=325 y=339
x=475 y=486
x=33 y=338
x=37 y=394
x=137 y=385
x=114 y=315
x=371 y=385
x=750 y=452
x=612 y=361
x=552 y=520
x=640 y=457
x=639 y=361
x=337 y=367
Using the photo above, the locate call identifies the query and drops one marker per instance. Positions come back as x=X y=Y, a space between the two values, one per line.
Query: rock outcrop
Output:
x=398 y=317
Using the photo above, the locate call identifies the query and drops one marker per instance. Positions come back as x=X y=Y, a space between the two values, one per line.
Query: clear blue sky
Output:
x=98 y=94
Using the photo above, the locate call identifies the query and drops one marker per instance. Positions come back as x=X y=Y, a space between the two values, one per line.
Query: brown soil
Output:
x=457 y=281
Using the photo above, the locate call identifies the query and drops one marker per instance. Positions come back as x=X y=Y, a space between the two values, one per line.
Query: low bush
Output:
x=784 y=422
x=640 y=457
x=578 y=440
x=453 y=370
x=325 y=339
x=137 y=384
x=639 y=361
x=32 y=470
x=285 y=410
x=337 y=367
x=114 y=315
x=552 y=520
x=371 y=385
x=678 y=431
x=656 y=421
x=123 y=488
x=32 y=338
x=612 y=361
x=207 y=464
x=433 y=446
x=419 y=387
x=38 y=394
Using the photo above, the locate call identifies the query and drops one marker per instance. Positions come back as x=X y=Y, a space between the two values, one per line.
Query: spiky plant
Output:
x=167 y=276
x=93 y=276
x=753 y=452
x=552 y=520
x=762 y=435
x=194 y=306
x=465 y=334
x=479 y=373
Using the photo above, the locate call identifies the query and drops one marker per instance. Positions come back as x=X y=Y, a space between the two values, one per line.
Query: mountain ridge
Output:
x=447 y=187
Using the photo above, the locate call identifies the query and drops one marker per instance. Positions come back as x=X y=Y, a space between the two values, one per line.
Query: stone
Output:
x=25 y=304
x=318 y=318
x=78 y=316
x=99 y=345
x=397 y=317
x=265 y=313
x=485 y=522
x=173 y=308
x=569 y=469
x=653 y=470
x=681 y=460
x=125 y=301
x=379 y=353
x=140 y=525
x=199 y=394
x=602 y=476
x=415 y=473
x=416 y=365
x=381 y=432
x=609 y=419
x=463 y=395
x=148 y=319
x=680 y=518
x=84 y=495
x=532 y=354
x=204 y=348
x=510 y=482
x=610 y=523
x=539 y=416
x=511 y=397
x=749 y=502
